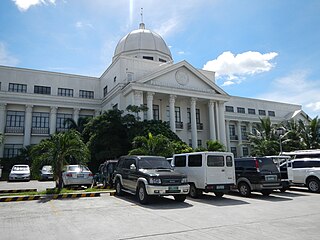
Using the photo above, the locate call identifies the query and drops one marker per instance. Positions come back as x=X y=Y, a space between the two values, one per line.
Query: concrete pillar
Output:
x=222 y=124
x=138 y=101
x=150 y=105
x=76 y=114
x=53 y=120
x=194 y=131
x=239 y=149
x=172 y=101
x=2 y=125
x=97 y=112
x=212 y=124
x=27 y=125
x=228 y=147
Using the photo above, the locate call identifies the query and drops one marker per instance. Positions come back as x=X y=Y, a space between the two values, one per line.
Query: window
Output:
x=115 y=106
x=240 y=110
x=251 y=111
x=168 y=113
x=229 y=109
x=189 y=115
x=190 y=142
x=229 y=162
x=156 y=112
x=11 y=150
x=195 y=160
x=177 y=114
x=15 y=122
x=61 y=122
x=16 y=87
x=244 y=133
x=271 y=113
x=42 y=90
x=197 y=115
x=162 y=60
x=40 y=123
x=306 y=164
x=234 y=151
x=215 y=161
x=105 y=91
x=245 y=151
x=262 y=112
x=232 y=130
x=199 y=143
x=115 y=79
x=147 y=57
x=180 y=161
x=85 y=94
x=66 y=92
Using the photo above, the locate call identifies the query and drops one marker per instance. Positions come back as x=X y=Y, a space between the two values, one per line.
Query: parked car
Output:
x=259 y=174
x=207 y=171
x=76 y=175
x=104 y=174
x=20 y=173
x=46 y=173
x=144 y=176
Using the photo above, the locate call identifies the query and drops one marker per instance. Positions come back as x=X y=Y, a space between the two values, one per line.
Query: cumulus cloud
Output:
x=236 y=67
x=24 y=5
x=5 y=56
x=81 y=24
x=296 y=88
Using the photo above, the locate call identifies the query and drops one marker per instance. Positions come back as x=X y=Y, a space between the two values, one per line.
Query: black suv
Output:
x=257 y=174
x=149 y=175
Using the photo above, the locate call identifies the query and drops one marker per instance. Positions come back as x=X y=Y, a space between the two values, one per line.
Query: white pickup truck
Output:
x=304 y=172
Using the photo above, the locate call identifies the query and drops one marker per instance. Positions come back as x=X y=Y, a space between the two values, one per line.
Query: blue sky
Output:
x=266 y=49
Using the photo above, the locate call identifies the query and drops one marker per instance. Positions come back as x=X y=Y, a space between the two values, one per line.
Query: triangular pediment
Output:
x=182 y=76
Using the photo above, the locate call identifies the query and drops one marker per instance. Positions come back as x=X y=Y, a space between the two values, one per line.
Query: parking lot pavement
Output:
x=290 y=215
x=33 y=184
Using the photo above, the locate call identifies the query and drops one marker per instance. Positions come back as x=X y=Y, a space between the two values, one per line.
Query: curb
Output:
x=22 y=198
x=19 y=190
x=73 y=195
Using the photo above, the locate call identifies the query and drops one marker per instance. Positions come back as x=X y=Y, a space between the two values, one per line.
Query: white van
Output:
x=206 y=171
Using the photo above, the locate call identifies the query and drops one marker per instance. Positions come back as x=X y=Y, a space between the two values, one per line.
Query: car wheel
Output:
x=219 y=194
x=193 y=191
x=244 y=189
x=118 y=187
x=314 y=185
x=180 y=198
x=266 y=192
x=142 y=194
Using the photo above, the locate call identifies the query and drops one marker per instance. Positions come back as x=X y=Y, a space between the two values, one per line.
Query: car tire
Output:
x=244 y=189
x=180 y=197
x=194 y=192
x=219 y=194
x=266 y=192
x=118 y=187
x=142 y=194
x=313 y=185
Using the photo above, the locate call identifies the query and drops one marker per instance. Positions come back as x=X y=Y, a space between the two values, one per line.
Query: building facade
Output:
x=34 y=104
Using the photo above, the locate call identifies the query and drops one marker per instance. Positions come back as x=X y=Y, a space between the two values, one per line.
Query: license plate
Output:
x=80 y=176
x=270 y=178
x=220 y=187
x=173 y=188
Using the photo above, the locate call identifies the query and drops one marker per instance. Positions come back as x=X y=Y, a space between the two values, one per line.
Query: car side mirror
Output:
x=133 y=167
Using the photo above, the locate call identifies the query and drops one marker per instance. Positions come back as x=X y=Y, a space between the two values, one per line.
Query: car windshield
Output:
x=20 y=168
x=267 y=164
x=77 y=168
x=151 y=163
x=47 y=168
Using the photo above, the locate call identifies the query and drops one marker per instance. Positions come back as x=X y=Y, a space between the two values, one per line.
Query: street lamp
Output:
x=280 y=132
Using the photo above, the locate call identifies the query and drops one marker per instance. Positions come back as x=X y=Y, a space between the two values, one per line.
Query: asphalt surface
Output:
x=290 y=215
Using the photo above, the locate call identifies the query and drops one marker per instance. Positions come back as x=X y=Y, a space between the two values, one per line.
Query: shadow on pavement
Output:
x=258 y=196
x=217 y=201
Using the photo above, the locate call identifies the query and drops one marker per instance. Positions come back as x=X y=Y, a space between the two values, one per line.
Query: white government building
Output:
x=34 y=104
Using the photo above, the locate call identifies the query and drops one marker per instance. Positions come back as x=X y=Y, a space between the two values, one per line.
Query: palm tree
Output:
x=292 y=139
x=79 y=125
x=311 y=133
x=158 y=145
x=59 y=150
x=215 y=146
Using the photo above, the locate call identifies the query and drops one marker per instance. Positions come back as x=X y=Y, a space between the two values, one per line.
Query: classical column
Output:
x=150 y=105
x=222 y=132
x=2 y=125
x=172 y=101
x=97 y=112
x=53 y=120
x=239 y=139
x=194 y=131
x=76 y=114
x=27 y=125
x=212 y=126
x=250 y=127
x=138 y=101
x=228 y=135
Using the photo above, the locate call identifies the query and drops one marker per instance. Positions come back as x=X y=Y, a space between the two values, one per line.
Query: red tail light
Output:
x=69 y=174
x=257 y=165
x=90 y=174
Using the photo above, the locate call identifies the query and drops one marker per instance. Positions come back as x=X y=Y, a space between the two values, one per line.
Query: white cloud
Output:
x=296 y=88
x=81 y=24
x=236 y=67
x=24 y=5
x=5 y=57
x=168 y=27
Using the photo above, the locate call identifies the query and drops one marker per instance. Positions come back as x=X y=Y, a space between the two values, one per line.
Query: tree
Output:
x=1 y=138
x=61 y=149
x=311 y=133
x=215 y=146
x=136 y=109
x=79 y=125
x=158 y=145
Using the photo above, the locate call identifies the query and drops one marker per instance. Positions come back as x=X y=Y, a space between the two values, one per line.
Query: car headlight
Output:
x=155 y=181
x=184 y=180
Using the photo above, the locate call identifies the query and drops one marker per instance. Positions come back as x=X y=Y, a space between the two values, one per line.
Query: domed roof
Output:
x=142 y=40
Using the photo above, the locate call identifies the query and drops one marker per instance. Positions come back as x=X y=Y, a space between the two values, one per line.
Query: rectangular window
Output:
x=244 y=133
x=232 y=130
x=65 y=92
x=199 y=143
x=215 y=161
x=62 y=125
x=177 y=114
x=156 y=112
x=251 y=111
x=86 y=94
x=162 y=60
x=15 y=122
x=271 y=113
x=147 y=57
x=105 y=91
x=11 y=150
x=40 y=123
x=197 y=115
x=189 y=115
x=42 y=90
x=195 y=160
x=229 y=109
x=180 y=161
x=16 y=87
x=168 y=113
x=240 y=110
x=190 y=142
x=234 y=151
x=229 y=162
x=262 y=112
x=245 y=151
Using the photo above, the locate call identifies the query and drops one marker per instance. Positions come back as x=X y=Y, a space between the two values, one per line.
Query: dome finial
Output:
x=141 y=25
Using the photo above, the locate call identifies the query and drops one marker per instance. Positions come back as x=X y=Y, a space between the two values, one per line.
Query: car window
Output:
x=229 y=162
x=74 y=168
x=150 y=163
x=215 y=161
x=195 y=160
x=180 y=161
x=267 y=164
x=20 y=168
